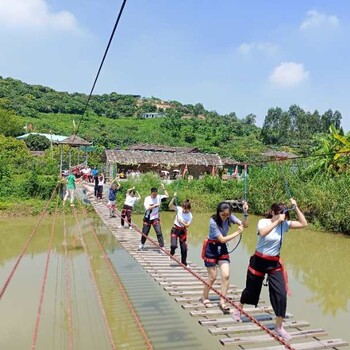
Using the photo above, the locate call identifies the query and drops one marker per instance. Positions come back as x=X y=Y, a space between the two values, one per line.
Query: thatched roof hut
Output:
x=161 y=148
x=279 y=155
x=157 y=158
x=75 y=141
x=171 y=159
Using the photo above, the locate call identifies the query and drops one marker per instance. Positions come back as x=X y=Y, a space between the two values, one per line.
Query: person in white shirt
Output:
x=266 y=260
x=182 y=221
x=151 y=218
x=101 y=182
x=131 y=198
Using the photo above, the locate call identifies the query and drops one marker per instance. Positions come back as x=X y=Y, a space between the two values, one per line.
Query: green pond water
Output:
x=317 y=264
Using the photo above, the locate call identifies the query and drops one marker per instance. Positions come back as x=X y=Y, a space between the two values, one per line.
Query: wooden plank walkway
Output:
x=186 y=290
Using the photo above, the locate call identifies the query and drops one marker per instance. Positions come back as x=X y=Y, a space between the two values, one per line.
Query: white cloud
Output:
x=316 y=19
x=263 y=47
x=289 y=74
x=35 y=14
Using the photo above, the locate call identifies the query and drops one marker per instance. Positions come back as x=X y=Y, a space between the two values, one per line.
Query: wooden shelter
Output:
x=73 y=141
x=161 y=148
x=279 y=155
x=157 y=158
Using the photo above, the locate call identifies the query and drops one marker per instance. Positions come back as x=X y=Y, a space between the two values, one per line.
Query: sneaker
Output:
x=120 y=226
x=236 y=315
x=130 y=228
x=283 y=333
x=141 y=247
x=72 y=205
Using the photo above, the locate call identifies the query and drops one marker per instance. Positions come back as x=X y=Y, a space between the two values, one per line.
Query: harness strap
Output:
x=155 y=222
x=280 y=268
x=267 y=257
x=179 y=231
x=255 y=272
x=212 y=260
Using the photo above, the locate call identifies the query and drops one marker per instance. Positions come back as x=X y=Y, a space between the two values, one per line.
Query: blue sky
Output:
x=230 y=55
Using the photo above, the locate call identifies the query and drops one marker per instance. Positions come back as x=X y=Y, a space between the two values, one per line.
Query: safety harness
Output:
x=208 y=241
x=270 y=272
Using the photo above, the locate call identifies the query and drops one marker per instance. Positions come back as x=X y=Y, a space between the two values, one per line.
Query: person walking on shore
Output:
x=70 y=190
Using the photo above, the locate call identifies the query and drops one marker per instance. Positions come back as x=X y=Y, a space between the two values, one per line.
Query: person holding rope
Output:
x=182 y=221
x=215 y=253
x=266 y=260
x=151 y=218
x=132 y=196
x=112 y=197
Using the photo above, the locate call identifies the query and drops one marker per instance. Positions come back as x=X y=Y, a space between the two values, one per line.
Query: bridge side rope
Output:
x=120 y=285
x=286 y=186
x=245 y=200
x=94 y=283
x=67 y=288
x=216 y=291
x=44 y=280
x=24 y=249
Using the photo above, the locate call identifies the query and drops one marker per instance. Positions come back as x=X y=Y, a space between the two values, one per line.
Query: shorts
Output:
x=111 y=204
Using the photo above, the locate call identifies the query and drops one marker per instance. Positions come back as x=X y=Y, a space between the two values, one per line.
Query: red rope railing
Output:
x=43 y=284
x=94 y=283
x=122 y=290
x=24 y=249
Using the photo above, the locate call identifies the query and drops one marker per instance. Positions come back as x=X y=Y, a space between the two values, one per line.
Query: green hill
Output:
x=115 y=120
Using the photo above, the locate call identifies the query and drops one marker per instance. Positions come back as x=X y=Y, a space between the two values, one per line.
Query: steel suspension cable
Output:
x=121 y=288
x=44 y=280
x=24 y=249
x=101 y=65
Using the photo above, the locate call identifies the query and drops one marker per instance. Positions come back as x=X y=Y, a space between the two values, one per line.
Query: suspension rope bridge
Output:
x=185 y=284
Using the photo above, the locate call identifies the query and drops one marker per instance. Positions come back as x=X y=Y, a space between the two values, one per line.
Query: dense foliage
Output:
x=37 y=142
x=295 y=126
x=320 y=183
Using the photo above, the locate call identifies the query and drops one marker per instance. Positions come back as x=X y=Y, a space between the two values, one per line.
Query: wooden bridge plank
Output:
x=195 y=292
x=260 y=318
x=320 y=344
x=216 y=311
x=255 y=328
x=194 y=287
x=309 y=333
